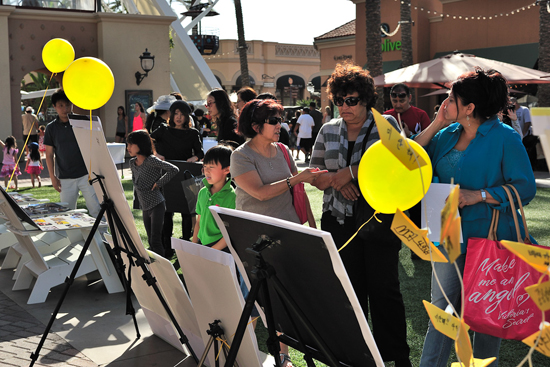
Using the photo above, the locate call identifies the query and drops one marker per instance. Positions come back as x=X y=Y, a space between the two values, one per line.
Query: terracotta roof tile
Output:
x=347 y=29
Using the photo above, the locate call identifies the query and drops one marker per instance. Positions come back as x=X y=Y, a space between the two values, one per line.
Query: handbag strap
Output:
x=367 y=137
x=520 y=205
x=492 y=236
x=285 y=153
x=514 y=212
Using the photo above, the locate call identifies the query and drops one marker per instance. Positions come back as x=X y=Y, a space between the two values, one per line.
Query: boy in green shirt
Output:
x=218 y=191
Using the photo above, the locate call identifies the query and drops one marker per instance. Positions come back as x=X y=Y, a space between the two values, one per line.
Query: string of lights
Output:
x=218 y=55
x=480 y=17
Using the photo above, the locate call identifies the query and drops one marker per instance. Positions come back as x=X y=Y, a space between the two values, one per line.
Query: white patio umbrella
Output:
x=437 y=72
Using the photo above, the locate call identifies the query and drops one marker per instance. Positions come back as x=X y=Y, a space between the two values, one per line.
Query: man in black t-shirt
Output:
x=66 y=166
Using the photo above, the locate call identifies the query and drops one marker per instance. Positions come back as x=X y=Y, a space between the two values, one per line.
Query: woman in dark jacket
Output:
x=177 y=142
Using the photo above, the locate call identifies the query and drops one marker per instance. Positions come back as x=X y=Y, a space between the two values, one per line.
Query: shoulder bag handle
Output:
x=493 y=227
x=514 y=213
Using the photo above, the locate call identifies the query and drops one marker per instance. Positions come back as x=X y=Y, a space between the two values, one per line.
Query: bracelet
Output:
x=288 y=182
x=351 y=173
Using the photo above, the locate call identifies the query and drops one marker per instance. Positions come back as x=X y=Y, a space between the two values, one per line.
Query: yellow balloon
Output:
x=387 y=184
x=57 y=55
x=88 y=83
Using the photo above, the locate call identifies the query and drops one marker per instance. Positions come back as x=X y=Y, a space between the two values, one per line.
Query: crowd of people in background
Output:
x=253 y=168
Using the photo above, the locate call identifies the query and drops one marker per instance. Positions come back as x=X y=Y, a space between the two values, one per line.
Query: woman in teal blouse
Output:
x=481 y=154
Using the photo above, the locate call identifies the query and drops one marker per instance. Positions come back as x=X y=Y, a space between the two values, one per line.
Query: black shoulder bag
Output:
x=362 y=211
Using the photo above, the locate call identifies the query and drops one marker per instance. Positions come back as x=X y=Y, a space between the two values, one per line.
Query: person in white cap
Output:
x=30 y=126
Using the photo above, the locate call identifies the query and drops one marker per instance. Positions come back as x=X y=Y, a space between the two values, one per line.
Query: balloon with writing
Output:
x=57 y=55
x=89 y=83
x=387 y=184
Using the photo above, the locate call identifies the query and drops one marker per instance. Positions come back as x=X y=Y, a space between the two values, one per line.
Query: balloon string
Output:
x=355 y=234
x=29 y=135
x=90 y=170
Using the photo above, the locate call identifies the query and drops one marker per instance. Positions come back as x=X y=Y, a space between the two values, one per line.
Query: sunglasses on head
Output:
x=350 y=101
x=274 y=120
x=401 y=95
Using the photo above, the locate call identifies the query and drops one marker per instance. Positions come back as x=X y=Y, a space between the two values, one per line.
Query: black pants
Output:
x=372 y=266
x=152 y=221
x=167 y=228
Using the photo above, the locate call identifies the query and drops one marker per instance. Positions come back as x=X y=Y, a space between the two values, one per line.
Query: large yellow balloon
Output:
x=88 y=83
x=57 y=55
x=387 y=184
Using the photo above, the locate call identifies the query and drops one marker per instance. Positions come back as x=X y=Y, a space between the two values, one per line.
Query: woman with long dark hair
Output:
x=177 y=141
x=139 y=117
x=222 y=112
x=469 y=145
x=121 y=125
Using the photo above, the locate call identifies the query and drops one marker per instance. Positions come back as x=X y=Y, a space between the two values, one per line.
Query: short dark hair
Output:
x=247 y=94
x=313 y=105
x=220 y=153
x=60 y=95
x=256 y=112
x=400 y=86
x=199 y=112
x=142 y=139
x=486 y=89
x=306 y=110
x=348 y=78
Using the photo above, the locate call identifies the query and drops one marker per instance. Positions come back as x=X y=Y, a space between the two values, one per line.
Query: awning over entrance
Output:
x=523 y=55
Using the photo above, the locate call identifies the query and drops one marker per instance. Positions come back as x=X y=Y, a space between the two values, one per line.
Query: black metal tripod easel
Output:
x=135 y=259
x=264 y=275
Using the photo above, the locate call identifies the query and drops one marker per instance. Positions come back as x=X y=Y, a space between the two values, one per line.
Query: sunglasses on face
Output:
x=274 y=120
x=401 y=95
x=350 y=101
x=208 y=104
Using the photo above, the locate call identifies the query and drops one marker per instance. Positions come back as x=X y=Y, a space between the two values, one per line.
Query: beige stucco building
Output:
x=282 y=69
x=117 y=39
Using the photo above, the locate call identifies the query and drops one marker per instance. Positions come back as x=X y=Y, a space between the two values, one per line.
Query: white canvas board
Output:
x=98 y=160
x=338 y=266
x=211 y=280
x=432 y=205
x=178 y=300
x=540 y=118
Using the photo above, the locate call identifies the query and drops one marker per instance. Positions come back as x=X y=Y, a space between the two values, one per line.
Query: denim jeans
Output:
x=70 y=188
x=437 y=347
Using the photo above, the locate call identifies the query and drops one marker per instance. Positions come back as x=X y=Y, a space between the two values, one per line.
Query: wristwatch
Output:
x=483 y=195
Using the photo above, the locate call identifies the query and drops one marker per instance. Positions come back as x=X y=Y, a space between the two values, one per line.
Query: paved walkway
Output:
x=20 y=334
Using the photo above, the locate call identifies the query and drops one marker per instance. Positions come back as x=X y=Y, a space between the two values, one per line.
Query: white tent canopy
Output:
x=37 y=94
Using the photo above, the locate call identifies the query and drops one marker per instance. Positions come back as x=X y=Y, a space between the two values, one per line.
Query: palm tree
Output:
x=374 y=46
x=406 y=37
x=543 y=93
x=242 y=44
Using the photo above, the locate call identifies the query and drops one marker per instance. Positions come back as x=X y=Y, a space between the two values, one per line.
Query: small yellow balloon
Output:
x=57 y=55
x=387 y=184
x=88 y=83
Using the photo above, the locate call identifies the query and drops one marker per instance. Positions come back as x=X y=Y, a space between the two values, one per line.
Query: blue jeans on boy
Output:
x=437 y=347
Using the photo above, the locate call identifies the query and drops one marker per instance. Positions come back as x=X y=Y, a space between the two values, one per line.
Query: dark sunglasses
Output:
x=398 y=95
x=350 y=101
x=274 y=120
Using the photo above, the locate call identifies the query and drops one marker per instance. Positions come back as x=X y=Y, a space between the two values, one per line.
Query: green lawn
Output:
x=414 y=275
